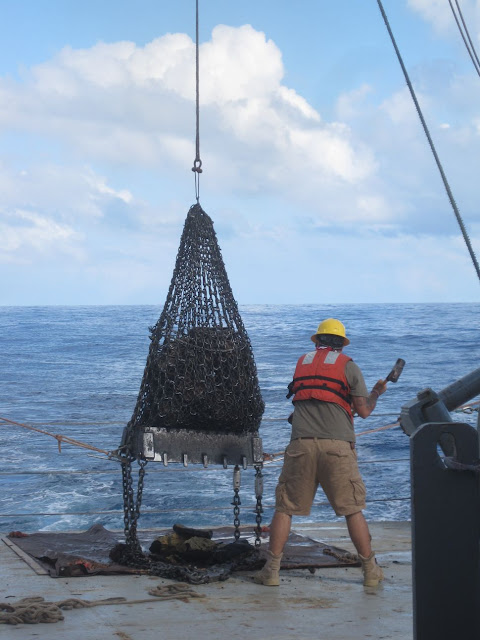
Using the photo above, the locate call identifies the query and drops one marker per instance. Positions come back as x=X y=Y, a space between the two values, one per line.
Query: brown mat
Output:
x=64 y=554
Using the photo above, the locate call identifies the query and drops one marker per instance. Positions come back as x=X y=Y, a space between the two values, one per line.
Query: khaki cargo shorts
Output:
x=310 y=462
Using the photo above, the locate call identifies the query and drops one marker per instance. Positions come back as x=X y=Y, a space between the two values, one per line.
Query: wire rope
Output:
x=468 y=45
x=197 y=163
x=430 y=141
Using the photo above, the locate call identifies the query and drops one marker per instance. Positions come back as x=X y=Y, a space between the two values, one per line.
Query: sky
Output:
x=317 y=173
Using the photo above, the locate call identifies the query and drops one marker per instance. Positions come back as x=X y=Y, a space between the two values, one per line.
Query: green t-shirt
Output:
x=317 y=419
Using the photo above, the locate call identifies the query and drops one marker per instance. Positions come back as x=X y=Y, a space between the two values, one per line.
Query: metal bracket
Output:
x=414 y=413
x=433 y=407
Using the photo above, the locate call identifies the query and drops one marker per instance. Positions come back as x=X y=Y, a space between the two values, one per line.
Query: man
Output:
x=327 y=387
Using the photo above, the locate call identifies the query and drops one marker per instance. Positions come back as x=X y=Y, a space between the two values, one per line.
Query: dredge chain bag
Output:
x=200 y=372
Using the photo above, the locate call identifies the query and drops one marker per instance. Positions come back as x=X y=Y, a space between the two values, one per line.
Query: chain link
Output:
x=131 y=506
x=258 y=507
x=236 y=512
x=236 y=501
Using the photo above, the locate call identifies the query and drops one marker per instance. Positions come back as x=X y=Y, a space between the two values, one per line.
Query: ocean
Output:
x=76 y=371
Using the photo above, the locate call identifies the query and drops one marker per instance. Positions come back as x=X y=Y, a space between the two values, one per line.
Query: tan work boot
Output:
x=269 y=574
x=372 y=573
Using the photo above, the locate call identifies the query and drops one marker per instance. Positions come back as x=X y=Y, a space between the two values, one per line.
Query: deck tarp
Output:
x=65 y=554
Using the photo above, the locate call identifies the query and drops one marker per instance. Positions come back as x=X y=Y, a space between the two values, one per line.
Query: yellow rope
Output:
x=58 y=437
x=388 y=426
x=270 y=457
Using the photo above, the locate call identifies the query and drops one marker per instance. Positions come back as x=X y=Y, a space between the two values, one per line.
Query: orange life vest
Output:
x=320 y=375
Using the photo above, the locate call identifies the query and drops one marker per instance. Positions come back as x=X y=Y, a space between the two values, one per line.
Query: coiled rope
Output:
x=35 y=609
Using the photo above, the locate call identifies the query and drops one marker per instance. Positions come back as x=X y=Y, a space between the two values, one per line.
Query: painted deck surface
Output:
x=331 y=603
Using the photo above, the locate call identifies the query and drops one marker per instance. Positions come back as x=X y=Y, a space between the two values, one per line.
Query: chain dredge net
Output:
x=200 y=372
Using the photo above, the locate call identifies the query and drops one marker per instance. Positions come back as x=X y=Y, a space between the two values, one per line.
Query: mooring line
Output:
x=388 y=426
x=58 y=437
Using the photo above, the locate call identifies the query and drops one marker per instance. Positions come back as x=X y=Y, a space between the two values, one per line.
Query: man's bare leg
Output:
x=279 y=532
x=359 y=533
x=360 y=536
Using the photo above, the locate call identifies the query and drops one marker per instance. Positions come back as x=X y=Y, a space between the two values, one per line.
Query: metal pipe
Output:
x=461 y=391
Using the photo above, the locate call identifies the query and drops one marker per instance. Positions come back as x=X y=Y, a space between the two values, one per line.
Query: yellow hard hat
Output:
x=332 y=327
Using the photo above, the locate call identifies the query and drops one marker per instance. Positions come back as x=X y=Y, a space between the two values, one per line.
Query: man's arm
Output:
x=364 y=406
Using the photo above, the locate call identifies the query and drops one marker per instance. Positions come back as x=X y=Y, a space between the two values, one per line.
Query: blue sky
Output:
x=317 y=173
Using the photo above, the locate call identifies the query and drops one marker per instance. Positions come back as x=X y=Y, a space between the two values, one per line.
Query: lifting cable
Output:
x=197 y=163
x=430 y=141
x=464 y=32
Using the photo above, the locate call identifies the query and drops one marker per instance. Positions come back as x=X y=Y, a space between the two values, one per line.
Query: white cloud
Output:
x=23 y=232
x=351 y=103
x=239 y=64
x=374 y=206
x=102 y=188
x=291 y=97
x=437 y=12
x=120 y=64
x=69 y=193
x=49 y=211
x=401 y=110
x=124 y=104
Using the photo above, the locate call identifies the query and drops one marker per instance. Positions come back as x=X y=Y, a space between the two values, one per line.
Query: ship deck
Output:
x=330 y=603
